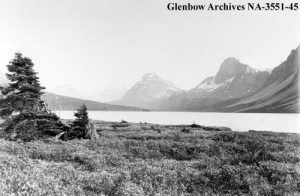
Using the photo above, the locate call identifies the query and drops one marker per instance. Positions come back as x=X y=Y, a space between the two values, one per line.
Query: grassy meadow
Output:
x=146 y=159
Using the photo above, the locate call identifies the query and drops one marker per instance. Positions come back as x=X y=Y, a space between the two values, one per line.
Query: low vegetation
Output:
x=136 y=159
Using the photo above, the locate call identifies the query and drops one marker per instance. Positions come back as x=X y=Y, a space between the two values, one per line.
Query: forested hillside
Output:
x=59 y=102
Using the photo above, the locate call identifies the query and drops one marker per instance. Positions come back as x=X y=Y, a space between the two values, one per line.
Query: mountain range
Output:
x=280 y=93
x=60 y=102
x=236 y=87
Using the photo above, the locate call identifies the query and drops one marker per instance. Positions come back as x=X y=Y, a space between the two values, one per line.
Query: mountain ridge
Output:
x=60 y=102
x=233 y=80
x=236 y=87
x=281 y=90
x=279 y=94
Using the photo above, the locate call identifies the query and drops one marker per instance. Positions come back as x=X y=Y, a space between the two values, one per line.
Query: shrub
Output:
x=185 y=130
x=32 y=125
x=194 y=125
x=123 y=121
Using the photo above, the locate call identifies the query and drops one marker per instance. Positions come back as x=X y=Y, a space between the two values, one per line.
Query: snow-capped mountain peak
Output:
x=232 y=67
x=152 y=81
x=233 y=80
x=149 y=88
x=150 y=76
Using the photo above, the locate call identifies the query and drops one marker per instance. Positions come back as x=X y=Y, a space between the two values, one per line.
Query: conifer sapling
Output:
x=80 y=124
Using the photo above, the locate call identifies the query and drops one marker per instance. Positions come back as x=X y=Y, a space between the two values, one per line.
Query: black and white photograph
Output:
x=149 y=98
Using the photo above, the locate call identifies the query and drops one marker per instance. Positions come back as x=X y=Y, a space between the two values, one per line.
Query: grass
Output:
x=145 y=159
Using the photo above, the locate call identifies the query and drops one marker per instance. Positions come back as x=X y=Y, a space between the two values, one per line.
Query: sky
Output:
x=92 y=44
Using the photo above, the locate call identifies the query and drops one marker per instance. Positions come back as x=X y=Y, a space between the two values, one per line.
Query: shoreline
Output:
x=235 y=121
x=111 y=125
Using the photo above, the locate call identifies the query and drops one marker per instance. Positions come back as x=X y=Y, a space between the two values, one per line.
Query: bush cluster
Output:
x=146 y=162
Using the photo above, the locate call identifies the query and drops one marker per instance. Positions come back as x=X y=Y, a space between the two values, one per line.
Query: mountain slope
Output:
x=280 y=93
x=233 y=80
x=66 y=90
x=59 y=102
x=150 y=88
x=109 y=94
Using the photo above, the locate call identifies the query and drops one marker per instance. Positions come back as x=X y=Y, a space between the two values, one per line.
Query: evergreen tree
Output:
x=24 y=90
x=80 y=124
x=26 y=116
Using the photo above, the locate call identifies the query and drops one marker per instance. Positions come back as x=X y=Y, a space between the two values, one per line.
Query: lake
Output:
x=236 y=121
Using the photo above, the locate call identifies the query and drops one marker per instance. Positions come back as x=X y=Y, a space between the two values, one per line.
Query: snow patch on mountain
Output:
x=210 y=85
x=250 y=70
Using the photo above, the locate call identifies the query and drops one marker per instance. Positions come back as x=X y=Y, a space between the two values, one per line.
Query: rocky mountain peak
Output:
x=230 y=68
x=286 y=69
x=150 y=87
x=151 y=76
x=233 y=80
x=293 y=58
x=154 y=81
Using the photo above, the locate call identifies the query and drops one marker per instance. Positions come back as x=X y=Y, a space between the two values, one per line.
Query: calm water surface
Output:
x=236 y=121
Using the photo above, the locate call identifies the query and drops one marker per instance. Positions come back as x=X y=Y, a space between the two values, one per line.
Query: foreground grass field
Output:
x=145 y=159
